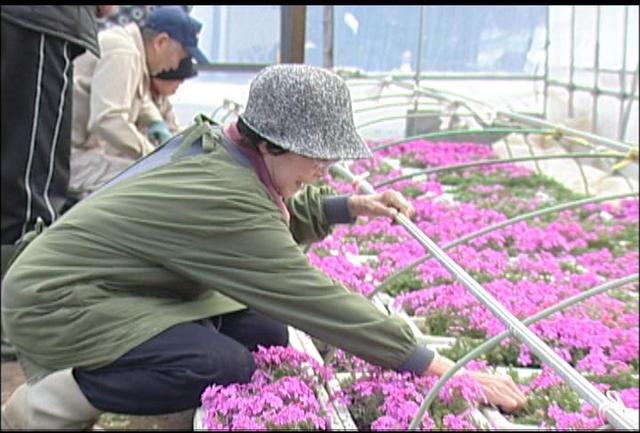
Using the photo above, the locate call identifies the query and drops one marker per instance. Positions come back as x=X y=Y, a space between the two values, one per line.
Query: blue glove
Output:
x=158 y=132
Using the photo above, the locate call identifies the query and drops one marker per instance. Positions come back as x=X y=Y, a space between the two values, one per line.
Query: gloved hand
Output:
x=158 y=132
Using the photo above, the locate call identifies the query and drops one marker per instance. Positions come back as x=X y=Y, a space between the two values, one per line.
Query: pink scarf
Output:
x=257 y=161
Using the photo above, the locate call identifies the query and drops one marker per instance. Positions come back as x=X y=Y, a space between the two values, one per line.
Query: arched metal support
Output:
x=521 y=118
x=441 y=134
x=404 y=116
x=499 y=161
x=583 y=387
x=564 y=206
x=408 y=104
x=377 y=98
x=495 y=340
x=528 y=143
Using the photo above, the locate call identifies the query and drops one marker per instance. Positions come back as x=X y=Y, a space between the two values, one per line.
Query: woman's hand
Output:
x=499 y=390
x=387 y=203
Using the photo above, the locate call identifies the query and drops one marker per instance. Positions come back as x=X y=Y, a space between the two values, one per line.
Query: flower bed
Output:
x=553 y=404
x=381 y=399
x=281 y=395
x=527 y=267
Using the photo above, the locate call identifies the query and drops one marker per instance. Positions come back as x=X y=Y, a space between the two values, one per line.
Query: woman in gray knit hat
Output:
x=166 y=279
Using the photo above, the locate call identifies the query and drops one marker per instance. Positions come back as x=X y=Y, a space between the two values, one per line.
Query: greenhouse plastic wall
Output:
x=549 y=61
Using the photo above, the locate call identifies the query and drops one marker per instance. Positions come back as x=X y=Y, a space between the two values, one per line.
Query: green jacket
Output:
x=192 y=239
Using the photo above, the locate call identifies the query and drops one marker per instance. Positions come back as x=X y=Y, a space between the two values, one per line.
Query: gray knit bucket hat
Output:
x=304 y=109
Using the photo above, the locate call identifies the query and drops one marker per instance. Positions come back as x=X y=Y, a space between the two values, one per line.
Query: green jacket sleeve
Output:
x=308 y=220
x=261 y=266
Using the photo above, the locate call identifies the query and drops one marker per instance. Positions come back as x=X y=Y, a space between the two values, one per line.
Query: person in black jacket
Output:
x=39 y=44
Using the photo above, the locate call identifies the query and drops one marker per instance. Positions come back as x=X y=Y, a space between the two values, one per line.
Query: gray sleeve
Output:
x=337 y=211
x=419 y=360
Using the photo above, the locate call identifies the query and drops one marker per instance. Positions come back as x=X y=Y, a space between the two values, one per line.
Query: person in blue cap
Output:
x=112 y=95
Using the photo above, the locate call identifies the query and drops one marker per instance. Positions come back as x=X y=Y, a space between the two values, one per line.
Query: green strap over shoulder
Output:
x=204 y=127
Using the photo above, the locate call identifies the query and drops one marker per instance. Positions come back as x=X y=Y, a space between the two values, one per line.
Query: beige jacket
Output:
x=111 y=98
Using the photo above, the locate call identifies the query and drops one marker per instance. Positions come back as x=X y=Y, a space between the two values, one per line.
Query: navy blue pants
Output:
x=169 y=372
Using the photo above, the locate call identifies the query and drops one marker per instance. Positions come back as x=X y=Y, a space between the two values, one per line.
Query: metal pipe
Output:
x=432 y=170
x=547 y=43
x=596 y=74
x=327 y=36
x=623 y=73
x=404 y=116
x=495 y=340
x=572 y=59
x=530 y=147
x=440 y=94
x=420 y=37
x=602 y=70
x=596 y=139
x=529 y=215
x=441 y=134
x=577 y=87
x=399 y=104
x=612 y=144
x=627 y=112
x=506 y=76
x=376 y=97
x=584 y=388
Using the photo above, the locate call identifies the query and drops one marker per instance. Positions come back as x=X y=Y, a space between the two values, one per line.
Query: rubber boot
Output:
x=55 y=402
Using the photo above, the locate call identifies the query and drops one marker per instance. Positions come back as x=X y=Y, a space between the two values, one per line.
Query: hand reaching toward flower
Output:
x=499 y=390
x=388 y=203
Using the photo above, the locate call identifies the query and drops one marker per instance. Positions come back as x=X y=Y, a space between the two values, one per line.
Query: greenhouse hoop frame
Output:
x=585 y=389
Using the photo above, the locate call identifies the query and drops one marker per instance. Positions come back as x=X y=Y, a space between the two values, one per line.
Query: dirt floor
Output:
x=12 y=377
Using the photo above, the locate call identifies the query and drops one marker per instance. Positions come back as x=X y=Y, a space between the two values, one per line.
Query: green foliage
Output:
x=412 y=191
x=626 y=296
x=448 y=323
x=297 y=426
x=618 y=243
x=439 y=410
x=514 y=198
x=404 y=283
x=408 y=160
x=321 y=252
x=617 y=381
x=385 y=168
x=366 y=410
x=538 y=402
x=499 y=355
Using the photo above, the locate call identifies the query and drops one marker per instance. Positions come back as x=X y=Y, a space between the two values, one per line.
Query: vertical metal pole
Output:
x=419 y=60
x=596 y=74
x=572 y=59
x=632 y=91
x=292 y=33
x=327 y=36
x=222 y=43
x=623 y=73
x=546 y=63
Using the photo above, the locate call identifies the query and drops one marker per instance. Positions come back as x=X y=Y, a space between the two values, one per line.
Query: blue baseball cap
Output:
x=175 y=21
